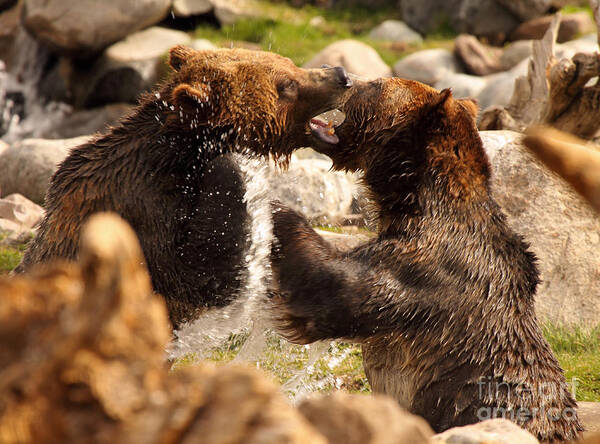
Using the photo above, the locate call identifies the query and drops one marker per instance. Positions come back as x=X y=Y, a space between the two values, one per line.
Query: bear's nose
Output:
x=343 y=76
x=341 y=73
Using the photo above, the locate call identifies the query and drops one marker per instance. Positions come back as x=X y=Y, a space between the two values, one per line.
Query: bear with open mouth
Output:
x=167 y=169
x=442 y=301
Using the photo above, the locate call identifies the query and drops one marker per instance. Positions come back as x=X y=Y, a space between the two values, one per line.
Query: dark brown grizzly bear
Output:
x=442 y=300
x=163 y=171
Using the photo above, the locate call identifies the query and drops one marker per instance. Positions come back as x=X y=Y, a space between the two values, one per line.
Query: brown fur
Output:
x=162 y=169
x=443 y=300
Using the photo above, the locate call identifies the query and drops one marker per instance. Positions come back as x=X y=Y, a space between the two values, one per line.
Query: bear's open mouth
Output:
x=323 y=126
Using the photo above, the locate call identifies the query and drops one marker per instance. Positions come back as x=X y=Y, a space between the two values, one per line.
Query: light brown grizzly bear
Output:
x=163 y=170
x=442 y=300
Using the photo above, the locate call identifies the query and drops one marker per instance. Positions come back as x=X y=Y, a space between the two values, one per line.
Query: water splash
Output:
x=23 y=113
x=244 y=314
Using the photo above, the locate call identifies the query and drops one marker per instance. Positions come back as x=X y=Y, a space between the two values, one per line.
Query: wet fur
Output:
x=164 y=171
x=442 y=300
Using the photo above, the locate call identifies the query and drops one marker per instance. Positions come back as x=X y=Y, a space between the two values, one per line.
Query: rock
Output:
x=586 y=44
x=515 y=53
x=463 y=85
x=17 y=208
x=27 y=166
x=478 y=59
x=562 y=229
x=202 y=44
x=589 y=414
x=499 y=87
x=357 y=57
x=186 y=8
x=10 y=21
x=428 y=66
x=527 y=9
x=89 y=369
x=483 y=18
x=395 y=31
x=87 y=121
x=126 y=69
x=359 y=419
x=308 y=186
x=82 y=27
x=3 y=147
x=10 y=229
x=492 y=431
x=229 y=12
x=571 y=25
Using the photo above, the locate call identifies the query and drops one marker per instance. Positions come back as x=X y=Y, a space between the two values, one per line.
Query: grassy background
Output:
x=288 y=31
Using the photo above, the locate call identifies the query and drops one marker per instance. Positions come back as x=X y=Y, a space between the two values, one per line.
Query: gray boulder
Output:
x=496 y=431
x=499 y=87
x=358 y=58
x=202 y=44
x=428 y=66
x=516 y=52
x=483 y=18
x=395 y=31
x=27 y=166
x=229 y=12
x=564 y=232
x=87 y=26
x=463 y=85
x=18 y=209
x=571 y=25
x=186 y=8
x=527 y=9
x=87 y=121
x=308 y=186
x=127 y=68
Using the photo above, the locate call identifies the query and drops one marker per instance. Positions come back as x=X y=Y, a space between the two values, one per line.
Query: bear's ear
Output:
x=441 y=98
x=191 y=99
x=179 y=55
x=200 y=101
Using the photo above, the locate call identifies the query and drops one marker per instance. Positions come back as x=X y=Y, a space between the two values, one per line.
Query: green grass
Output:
x=288 y=31
x=10 y=255
x=578 y=352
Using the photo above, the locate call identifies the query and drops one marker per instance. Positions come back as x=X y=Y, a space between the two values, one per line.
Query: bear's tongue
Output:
x=324 y=130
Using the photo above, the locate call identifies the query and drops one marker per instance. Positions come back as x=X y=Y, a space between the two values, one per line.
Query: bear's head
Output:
x=405 y=137
x=257 y=100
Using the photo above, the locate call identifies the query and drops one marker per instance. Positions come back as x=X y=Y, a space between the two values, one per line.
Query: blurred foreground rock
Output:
x=83 y=361
x=494 y=431
x=344 y=419
x=563 y=230
x=358 y=58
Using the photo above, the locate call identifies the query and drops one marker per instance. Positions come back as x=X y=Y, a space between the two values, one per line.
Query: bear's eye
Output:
x=288 y=89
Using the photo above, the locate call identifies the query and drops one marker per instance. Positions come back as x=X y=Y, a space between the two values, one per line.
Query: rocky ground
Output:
x=70 y=68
